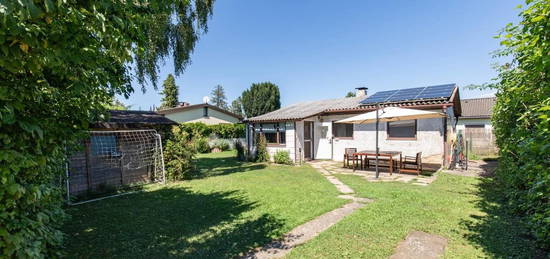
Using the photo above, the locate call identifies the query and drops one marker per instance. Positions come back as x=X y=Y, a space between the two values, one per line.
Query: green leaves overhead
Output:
x=61 y=64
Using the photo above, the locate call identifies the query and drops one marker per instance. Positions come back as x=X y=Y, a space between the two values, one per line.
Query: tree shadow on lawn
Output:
x=169 y=222
x=208 y=166
x=499 y=233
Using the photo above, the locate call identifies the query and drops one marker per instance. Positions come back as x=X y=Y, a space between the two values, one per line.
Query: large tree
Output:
x=261 y=98
x=170 y=92
x=218 y=97
x=61 y=63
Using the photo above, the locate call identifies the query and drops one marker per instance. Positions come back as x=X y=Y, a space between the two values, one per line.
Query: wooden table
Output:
x=366 y=155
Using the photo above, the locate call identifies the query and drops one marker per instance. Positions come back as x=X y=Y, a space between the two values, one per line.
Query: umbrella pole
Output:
x=377 y=121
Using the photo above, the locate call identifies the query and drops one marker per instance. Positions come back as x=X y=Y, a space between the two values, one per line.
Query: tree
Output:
x=260 y=99
x=521 y=117
x=170 y=92
x=237 y=107
x=350 y=94
x=218 y=97
x=61 y=64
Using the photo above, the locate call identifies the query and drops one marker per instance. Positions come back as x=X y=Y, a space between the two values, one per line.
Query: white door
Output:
x=324 y=140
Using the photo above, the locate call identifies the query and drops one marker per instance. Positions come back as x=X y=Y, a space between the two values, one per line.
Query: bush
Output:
x=521 y=118
x=196 y=129
x=201 y=145
x=220 y=144
x=241 y=153
x=179 y=153
x=228 y=130
x=282 y=157
x=261 y=149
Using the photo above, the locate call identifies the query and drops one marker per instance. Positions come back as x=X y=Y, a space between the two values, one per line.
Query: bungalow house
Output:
x=204 y=112
x=308 y=130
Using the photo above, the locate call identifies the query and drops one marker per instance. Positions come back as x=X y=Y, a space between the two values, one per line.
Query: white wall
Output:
x=462 y=122
x=196 y=115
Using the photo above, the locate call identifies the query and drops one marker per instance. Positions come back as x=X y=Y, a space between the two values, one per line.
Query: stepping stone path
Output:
x=305 y=232
x=420 y=245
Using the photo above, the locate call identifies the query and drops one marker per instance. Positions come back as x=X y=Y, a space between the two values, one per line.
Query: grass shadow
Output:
x=169 y=222
x=499 y=233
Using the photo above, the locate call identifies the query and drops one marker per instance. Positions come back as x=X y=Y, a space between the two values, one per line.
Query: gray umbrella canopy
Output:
x=389 y=114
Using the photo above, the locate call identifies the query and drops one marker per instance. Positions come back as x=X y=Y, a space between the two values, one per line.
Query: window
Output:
x=205 y=111
x=103 y=145
x=275 y=133
x=342 y=130
x=401 y=129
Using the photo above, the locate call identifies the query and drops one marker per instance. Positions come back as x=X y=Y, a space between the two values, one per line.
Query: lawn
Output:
x=466 y=210
x=238 y=206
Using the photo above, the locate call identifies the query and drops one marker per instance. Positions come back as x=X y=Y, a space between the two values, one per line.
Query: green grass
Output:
x=240 y=206
x=465 y=210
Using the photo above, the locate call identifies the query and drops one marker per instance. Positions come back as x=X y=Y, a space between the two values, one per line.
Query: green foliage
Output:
x=170 y=92
x=261 y=149
x=221 y=144
x=196 y=129
x=260 y=99
x=218 y=97
x=521 y=117
x=282 y=157
x=201 y=144
x=350 y=94
x=224 y=130
x=241 y=152
x=237 y=107
x=61 y=64
x=179 y=152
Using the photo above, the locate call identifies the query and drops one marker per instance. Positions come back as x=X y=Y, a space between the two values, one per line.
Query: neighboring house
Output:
x=204 y=112
x=308 y=130
x=475 y=122
x=476 y=113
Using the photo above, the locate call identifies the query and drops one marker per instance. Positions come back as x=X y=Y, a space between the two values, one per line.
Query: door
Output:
x=308 y=140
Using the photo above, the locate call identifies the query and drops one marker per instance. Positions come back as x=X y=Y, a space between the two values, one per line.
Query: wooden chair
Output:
x=412 y=161
x=349 y=156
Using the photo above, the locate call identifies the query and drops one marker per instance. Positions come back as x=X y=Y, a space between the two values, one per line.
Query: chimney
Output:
x=361 y=91
x=183 y=104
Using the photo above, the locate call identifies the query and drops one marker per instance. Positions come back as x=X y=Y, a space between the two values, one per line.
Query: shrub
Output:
x=241 y=153
x=282 y=157
x=261 y=149
x=201 y=144
x=179 y=153
x=196 y=129
x=521 y=118
x=220 y=144
x=228 y=130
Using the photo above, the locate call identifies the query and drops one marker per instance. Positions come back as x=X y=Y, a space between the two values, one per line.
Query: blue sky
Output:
x=322 y=49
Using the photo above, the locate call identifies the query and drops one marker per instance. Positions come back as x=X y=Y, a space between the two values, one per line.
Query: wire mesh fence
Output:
x=112 y=160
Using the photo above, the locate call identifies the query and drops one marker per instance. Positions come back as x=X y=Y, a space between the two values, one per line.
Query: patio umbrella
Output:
x=389 y=114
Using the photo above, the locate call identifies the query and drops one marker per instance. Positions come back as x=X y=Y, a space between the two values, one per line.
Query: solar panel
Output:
x=418 y=93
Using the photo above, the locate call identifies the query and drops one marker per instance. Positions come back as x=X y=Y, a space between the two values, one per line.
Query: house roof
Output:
x=477 y=107
x=128 y=118
x=304 y=110
x=198 y=106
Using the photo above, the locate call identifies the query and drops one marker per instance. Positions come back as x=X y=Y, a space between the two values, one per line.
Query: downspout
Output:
x=295 y=143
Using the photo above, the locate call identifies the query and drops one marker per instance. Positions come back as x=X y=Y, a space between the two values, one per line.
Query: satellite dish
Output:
x=206 y=99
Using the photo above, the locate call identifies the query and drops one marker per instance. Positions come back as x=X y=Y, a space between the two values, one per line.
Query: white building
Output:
x=308 y=130
x=204 y=112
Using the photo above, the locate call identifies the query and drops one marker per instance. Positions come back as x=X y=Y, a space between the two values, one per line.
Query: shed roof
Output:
x=477 y=107
x=129 y=118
